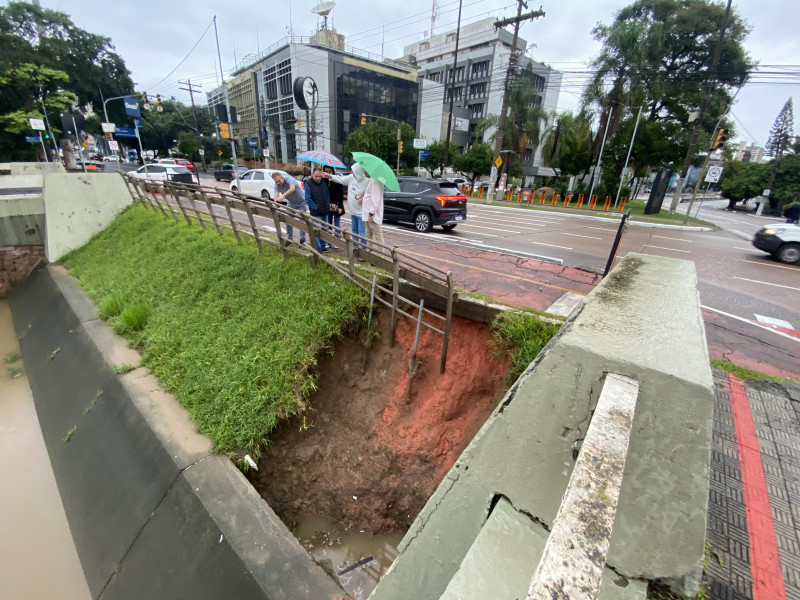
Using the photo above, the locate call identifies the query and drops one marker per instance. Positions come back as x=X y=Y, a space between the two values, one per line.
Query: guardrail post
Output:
x=607 y=203
x=252 y=220
x=312 y=239
x=228 y=202
x=197 y=213
x=575 y=554
x=447 y=318
x=211 y=211
x=395 y=290
x=621 y=207
x=176 y=194
x=351 y=260
x=276 y=219
x=593 y=202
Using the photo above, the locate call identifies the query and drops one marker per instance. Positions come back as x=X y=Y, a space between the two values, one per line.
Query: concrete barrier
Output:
x=35 y=168
x=77 y=206
x=153 y=513
x=643 y=322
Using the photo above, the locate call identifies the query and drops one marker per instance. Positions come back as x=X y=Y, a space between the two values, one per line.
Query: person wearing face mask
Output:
x=318 y=198
x=372 y=212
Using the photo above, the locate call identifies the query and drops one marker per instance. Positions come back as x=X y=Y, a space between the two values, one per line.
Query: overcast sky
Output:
x=155 y=37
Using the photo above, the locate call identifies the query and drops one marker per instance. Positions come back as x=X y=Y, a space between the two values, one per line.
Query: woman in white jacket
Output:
x=356 y=184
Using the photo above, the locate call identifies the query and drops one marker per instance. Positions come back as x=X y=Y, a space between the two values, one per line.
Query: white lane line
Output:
x=787 y=287
x=506 y=251
x=606 y=229
x=526 y=226
x=756 y=323
x=773 y=321
x=521 y=222
x=745 y=249
x=588 y=237
x=529 y=215
x=663 y=237
x=489 y=228
x=742 y=233
x=766 y=264
x=662 y=248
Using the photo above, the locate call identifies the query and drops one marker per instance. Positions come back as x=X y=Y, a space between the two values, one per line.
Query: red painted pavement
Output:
x=764 y=558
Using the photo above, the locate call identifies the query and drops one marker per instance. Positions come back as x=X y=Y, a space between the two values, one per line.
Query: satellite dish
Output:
x=323 y=9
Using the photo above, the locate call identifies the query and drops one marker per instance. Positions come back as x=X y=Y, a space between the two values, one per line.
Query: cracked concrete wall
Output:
x=643 y=322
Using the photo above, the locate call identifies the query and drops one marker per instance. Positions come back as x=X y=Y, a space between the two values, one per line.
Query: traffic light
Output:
x=400 y=147
x=158 y=99
x=363 y=118
x=720 y=137
x=144 y=98
x=46 y=135
x=224 y=131
x=299 y=122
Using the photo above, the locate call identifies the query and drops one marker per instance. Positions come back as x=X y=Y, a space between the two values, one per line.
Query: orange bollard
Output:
x=580 y=200
x=510 y=195
x=607 y=203
x=621 y=205
x=554 y=201
x=541 y=197
x=480 y=192
x=593 y=202
x=567 y=200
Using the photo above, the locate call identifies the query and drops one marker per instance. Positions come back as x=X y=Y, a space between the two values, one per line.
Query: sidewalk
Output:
x=38 y=560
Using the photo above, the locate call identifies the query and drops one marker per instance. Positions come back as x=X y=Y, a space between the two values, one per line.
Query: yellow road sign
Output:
x=498 y=162
x=219 y=152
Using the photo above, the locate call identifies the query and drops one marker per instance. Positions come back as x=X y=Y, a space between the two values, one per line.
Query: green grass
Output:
x=232 y=331
x=11 y=358
x=745 y=374
x=523 y=336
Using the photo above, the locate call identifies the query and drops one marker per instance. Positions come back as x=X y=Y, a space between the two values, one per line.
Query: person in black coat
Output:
x=337 y=199
x=318 y=198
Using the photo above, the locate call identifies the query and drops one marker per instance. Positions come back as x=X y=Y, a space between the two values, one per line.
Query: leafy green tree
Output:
x=379 y=137
x=742 y=181
x=568 y=143
x=782 y=131
x=474 y=162
x=787 y=181
x=161 y=130
x=435 y=159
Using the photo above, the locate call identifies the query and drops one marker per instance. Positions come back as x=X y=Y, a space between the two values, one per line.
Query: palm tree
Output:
x=568 y=143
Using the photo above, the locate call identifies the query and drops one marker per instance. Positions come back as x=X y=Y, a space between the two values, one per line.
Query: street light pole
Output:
x=227 y=106
x=452 y=98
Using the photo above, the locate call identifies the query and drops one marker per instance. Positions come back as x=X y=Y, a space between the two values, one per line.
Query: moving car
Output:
x=226 y=172
x=156 y=172
x=782 y=240
x=179 y=162
x=257 y=182
x=113 y=158
x=425 y=203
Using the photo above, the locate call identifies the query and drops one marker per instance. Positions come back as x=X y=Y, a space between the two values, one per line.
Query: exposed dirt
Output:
x=368 y=457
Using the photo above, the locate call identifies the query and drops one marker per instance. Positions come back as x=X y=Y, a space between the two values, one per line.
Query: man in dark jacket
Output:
x=318 y=198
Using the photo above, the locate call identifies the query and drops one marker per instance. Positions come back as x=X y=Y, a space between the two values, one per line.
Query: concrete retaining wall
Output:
x=643 y=322
x=153 y=513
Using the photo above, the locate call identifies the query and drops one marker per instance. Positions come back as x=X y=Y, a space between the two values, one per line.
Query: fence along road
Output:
x=193 y=203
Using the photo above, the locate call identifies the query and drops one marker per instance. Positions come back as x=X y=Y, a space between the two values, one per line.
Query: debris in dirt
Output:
x=413 y=363
x=354 y=566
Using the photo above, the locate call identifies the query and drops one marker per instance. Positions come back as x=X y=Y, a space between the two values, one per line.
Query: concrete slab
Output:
x=77 y=206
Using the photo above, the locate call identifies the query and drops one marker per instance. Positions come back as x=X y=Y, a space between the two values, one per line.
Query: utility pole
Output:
x=512 y=61
x=452 y=96
x=190 y=88
x=227 y=106
x=676 y=198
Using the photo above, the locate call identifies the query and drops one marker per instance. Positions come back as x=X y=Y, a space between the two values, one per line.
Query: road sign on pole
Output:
x=420 y=144
x=36 y=124
x=498 y=162
x=113 y=146
x=108 y=127
x=714 y=174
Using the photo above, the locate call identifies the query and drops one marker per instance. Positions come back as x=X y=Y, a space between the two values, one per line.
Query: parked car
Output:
x=425 y=203
x=156 y=172
x=257 y=182
x=113 y=158
x=782 y=240
x=226 y=172
x=179 y=162
x=91 y=165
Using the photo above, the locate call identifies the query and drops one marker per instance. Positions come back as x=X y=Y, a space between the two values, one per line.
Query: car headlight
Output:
x=773 y=230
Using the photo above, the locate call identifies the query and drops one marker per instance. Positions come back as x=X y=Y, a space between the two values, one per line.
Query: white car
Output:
x=782 y=240
x=164 y=173
x=113 y=158
x=257 y=182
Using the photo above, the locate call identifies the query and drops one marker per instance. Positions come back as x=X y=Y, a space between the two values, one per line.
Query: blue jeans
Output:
x=358 y=227
x=327 y=218
x=290 y=229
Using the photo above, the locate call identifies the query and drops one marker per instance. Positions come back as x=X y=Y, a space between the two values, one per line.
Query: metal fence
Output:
x=223 y=209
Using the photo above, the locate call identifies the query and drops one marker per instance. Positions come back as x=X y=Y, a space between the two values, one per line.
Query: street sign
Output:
x=420 y=144
x=159 y=108
x=132 y=106
x=125 y=132
x=714 y=174
x=138 y=122
x=146 y=106
x=36 y=124
x=766 y=192
x=423 y=154
x=498 y=162
x=32 y=138
x=201 y=151
x=85 y=144
x=107 y=127
x=219 y=152
x=113 y=146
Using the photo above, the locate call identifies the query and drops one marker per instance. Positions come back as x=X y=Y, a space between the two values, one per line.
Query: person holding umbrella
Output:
x=356 y=183
x=381 y=175
x=318 y=198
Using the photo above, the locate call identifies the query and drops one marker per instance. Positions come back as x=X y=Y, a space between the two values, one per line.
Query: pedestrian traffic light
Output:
x=299 y=122
x=400 y=147
x=363 y=118
x=720 y=137
x=144 y=98
x=46 y=136
x=158 y=99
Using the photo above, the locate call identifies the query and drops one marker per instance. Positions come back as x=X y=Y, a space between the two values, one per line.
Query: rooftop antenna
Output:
x=434 y=14
x=323 y=9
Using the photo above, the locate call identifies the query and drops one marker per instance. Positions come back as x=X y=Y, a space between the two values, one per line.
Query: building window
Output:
x=271 y=83
x=459 y=92
x=476 y=110
x=451 y=37
x=286 y=109
x=477 y=90
x=480 y=69
x=425 y=46
x=285 y=77
x=437 y=77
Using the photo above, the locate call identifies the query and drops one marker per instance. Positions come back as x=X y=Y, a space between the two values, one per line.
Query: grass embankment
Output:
x=522 y=336
x=746 y=374
x=231 y=331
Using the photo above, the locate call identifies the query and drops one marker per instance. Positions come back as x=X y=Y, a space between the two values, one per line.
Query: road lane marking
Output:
x=751 y=322
x=489 y=228
x=773 y=321
x=787 y=287
x=588 y=237
x=606 y=229
x=663 y=237
x=662 y=248
x=453 y=262
x=742 y=233
x=766 y=264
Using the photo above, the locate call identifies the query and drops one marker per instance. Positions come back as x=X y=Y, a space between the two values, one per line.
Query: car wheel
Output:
x=234 y=188
x=449 y=226
x=422 y=221
x=265 y=195
x=216 y=177
x=789 y=253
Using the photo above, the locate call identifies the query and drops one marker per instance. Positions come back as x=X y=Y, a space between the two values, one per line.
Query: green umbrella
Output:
x=377 y=169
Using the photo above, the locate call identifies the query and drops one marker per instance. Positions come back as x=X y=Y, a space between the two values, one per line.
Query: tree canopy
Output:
x=434 y=161
x=46 y=59
x=379 y=137
x=474 y=162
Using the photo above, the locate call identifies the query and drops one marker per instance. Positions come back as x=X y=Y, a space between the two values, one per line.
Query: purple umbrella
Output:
x=323 y=158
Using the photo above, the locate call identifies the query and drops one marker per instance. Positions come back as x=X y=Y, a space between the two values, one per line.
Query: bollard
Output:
x=593 y=202
x=567 y=200
x=480 y=192
x=607 y=203
x=541 y=197
x=510 y=195
x=621 y=207
x=580 y=200
x=554 y=201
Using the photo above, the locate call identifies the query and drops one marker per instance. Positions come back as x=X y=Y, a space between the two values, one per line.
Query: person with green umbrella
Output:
x=372 y=211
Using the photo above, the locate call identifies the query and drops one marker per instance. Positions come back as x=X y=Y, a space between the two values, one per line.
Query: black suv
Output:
x=425 y=203
x=226 y=172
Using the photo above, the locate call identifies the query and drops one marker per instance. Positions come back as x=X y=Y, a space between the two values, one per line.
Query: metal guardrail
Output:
x=195 y=203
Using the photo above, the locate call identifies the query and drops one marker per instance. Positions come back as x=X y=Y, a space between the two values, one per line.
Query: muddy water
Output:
x=357 y=559
x=37 y=556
